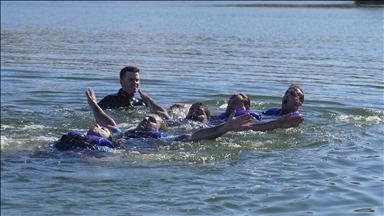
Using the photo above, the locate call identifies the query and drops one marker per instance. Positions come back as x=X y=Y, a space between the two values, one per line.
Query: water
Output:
x=187 y=52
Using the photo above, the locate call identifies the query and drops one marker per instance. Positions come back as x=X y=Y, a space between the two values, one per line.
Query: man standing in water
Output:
x=292 y=100
x=130 y=82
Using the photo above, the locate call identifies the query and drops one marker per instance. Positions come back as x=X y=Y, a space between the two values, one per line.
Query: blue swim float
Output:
x=78 y=140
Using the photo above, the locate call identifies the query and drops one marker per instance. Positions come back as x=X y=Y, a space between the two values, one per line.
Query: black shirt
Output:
x=120 y=99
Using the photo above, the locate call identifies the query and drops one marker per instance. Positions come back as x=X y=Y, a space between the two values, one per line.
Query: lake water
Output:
x=51 y=52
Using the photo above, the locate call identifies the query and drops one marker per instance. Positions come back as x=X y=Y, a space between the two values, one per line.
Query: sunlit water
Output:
x=51 y=52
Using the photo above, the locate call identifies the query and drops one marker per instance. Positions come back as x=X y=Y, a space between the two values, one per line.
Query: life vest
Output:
x=78 y=140
x=278 y=112
x=144 y=134
x=242 y=112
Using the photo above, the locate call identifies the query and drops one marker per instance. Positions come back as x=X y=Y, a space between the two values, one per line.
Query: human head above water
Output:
x=199 y=112
x=293 y=99
x=153 y=122
x=130 y=79
x=100 y=131
x=238 y=102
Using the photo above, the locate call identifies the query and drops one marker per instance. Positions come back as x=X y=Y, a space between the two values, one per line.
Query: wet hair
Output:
x=164 y=124
x=130 y=69
x=205 y=108
x=301 y=95
x=244 y=97
x=111 y=138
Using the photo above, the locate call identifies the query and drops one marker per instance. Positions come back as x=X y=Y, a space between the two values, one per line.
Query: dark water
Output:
x=187 y=52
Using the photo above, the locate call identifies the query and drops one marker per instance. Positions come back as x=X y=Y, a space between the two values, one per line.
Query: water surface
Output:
x=51 y=52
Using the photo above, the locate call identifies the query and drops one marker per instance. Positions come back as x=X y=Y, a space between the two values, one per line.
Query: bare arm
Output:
x=286 y=121
x=177 y=105
x=233 y=124
x=153 y=106
x=101 y=117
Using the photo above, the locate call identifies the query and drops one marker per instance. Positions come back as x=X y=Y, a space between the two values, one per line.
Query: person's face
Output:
x=291 y=101
x=131 y=82
x=197 y=113
x=235 y=103
x=100 y=131
x=150 y=123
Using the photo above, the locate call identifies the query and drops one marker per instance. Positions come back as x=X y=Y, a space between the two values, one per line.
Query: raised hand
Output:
x=91 y=97
x=153 y=106
x=101 y=117
x=144 y=97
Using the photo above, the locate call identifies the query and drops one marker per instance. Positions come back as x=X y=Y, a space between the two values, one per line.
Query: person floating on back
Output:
x=242 y=104
x=198 y=113
x=239 y=102
x=292 y=100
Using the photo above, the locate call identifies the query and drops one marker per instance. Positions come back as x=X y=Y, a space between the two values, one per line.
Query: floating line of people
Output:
x=105 y=134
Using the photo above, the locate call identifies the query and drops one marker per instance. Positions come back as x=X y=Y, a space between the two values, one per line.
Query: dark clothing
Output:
x=120 y=99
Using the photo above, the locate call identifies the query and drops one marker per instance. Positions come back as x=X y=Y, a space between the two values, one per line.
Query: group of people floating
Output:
x=104 y=135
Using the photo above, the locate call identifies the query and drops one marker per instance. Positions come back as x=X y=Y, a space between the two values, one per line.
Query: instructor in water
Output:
x=130 y=82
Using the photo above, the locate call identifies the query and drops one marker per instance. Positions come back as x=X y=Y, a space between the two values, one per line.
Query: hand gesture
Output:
x=91 y=97
x=144 y=97
x=239 y=123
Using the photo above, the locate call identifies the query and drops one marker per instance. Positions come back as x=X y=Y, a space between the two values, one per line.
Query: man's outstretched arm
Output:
x=286 y=121
x=101 y=117
x=233 y=124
